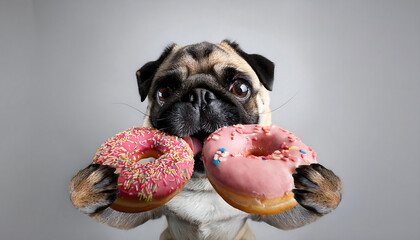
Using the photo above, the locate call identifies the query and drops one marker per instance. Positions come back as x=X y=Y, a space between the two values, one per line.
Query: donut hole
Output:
x=258 y=152
x=148 y=156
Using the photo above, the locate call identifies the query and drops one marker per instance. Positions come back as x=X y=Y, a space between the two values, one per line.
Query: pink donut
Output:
x=145 y=184
x=251 y=166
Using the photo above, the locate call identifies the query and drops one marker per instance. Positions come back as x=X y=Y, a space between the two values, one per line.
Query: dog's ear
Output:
x=146 y=73
x=263 y=67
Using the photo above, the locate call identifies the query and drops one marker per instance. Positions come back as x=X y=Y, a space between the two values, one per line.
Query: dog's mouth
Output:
x=196 y=142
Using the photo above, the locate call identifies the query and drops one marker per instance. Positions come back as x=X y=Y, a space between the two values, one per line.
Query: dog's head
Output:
x=196 y=89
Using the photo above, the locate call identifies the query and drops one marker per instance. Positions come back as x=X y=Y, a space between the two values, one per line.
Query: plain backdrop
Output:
x=352 y=69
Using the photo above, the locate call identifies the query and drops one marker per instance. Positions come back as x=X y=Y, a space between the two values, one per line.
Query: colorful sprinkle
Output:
x=215 y=137
x=302 y=151
x=225 y=154
x=124 y=149
x=216 y=162
x=283 y=145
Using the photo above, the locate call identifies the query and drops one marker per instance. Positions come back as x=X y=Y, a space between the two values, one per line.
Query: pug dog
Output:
x=193 y=91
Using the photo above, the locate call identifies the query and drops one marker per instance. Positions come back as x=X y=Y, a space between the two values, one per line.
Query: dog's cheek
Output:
x=180 y=120
x=238 y=115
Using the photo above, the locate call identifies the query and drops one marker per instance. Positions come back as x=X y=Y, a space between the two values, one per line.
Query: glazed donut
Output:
x=251 y=166
x=152 y=166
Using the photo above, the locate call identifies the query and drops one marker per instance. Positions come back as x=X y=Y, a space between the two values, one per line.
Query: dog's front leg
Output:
x=125 y=221
x=318 y=192
x=94 y=188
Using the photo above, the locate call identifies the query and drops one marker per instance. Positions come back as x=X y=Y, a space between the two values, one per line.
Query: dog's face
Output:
x=196 y=89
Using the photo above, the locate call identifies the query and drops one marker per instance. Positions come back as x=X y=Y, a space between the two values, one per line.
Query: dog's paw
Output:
x=317 y=188
x=94 y=188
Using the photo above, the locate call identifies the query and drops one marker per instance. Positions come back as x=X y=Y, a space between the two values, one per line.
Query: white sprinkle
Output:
x=215 y=137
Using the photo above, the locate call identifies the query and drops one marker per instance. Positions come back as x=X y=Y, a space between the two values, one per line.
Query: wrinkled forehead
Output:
x=205 y=58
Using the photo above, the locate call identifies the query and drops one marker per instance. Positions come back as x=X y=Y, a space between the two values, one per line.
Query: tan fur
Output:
x=318 y=188
x=222 y=56
x=85 y=194
x=217 y=60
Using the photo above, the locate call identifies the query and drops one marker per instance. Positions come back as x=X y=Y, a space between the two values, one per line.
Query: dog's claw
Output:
x=317 y=188
x=94 y=188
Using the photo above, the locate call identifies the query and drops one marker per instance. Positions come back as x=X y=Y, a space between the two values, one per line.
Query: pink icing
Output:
x=148 y=180
x=267 y=172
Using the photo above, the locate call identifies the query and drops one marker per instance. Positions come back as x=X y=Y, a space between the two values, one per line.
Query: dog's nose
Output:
x=200 y=97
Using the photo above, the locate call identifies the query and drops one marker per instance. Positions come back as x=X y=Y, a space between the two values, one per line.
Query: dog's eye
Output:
x=240 y=89
x=163 y=94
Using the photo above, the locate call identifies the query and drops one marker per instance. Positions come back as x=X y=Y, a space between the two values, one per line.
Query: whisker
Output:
x=138 y=110
x=290 y=99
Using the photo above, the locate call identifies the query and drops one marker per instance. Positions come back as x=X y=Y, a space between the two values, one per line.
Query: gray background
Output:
x=353 y=66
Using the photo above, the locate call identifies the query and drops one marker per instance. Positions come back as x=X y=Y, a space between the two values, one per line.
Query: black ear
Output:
x=263 y=67
x=146 y=73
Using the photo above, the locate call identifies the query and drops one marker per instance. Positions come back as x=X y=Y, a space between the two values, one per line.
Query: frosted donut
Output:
x=251 y=166
x=145 y=184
